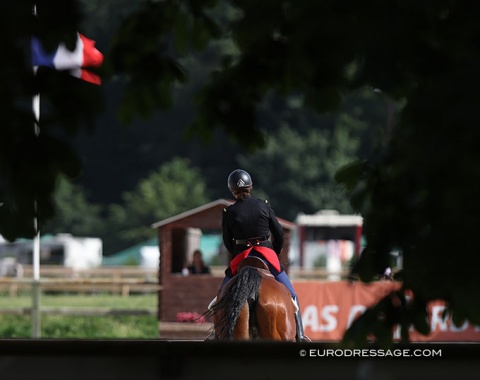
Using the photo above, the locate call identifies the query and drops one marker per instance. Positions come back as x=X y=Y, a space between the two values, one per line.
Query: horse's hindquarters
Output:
x=253 y=304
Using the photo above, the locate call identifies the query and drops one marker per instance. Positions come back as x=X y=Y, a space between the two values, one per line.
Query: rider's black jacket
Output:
x=251 y=219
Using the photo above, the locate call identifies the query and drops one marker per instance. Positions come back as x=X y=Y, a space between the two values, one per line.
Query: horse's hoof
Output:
x=211 y=337
x=305 y=339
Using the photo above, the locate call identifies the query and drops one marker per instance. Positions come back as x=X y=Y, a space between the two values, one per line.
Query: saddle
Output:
x=255 y=262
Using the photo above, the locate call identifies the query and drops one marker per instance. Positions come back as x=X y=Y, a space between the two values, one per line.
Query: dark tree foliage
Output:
x=30 y=161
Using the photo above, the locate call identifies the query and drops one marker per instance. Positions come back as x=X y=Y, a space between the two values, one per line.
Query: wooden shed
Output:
x=180 y=293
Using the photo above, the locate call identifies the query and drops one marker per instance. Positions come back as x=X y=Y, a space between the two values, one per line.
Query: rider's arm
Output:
x=277 y=232
x=227 y=234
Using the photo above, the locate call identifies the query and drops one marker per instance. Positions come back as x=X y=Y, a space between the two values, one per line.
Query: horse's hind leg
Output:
x=269 y=323
x=241 y=330
x=275 y=313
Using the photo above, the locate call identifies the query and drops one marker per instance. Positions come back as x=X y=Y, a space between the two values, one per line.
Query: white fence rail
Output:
x=81 y=311
x=118 y=280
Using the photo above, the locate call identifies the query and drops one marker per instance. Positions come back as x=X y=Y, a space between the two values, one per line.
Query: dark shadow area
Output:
x=154 y=359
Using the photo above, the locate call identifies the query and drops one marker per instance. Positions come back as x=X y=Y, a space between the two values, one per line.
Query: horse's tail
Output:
x=244 y=287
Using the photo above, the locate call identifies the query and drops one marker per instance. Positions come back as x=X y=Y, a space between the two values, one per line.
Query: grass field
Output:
x=56 y=326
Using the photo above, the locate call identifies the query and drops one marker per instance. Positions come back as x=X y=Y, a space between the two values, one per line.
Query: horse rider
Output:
x=247 y=225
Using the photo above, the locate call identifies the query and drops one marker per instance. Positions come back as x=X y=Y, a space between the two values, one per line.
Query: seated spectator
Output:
x=198 y=266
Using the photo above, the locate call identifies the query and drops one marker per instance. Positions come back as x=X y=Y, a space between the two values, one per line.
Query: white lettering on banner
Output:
x=355 y=311
x=397 y=332
x=437 y=319
x=330 y=319
x=311 y=319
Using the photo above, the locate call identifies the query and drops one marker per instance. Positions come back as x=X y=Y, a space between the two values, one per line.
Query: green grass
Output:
x=94 y=300
x=55 y=326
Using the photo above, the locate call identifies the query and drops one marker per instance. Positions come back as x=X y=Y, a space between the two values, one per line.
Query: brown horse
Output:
x=253 y=305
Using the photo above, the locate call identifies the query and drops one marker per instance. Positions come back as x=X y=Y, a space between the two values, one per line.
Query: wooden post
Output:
x=36 y=330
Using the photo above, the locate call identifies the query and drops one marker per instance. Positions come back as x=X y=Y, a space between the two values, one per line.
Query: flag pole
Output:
x=36 y=240
x=36 y=316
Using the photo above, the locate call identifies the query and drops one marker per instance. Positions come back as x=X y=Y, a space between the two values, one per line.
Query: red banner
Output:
x=329 y=308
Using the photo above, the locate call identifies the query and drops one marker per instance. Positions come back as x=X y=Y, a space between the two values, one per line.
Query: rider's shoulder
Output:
x=263 y=201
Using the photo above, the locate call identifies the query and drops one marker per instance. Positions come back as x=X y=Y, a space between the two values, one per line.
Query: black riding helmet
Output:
x=239 y=179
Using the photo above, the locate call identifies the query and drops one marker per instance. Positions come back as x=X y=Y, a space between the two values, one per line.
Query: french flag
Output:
x=84 y=55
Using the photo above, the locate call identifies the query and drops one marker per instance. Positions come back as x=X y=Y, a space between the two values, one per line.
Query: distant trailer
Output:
x=62 y=249
x=323 y=233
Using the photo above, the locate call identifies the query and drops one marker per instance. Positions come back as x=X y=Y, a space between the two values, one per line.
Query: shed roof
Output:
x=208 y=208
